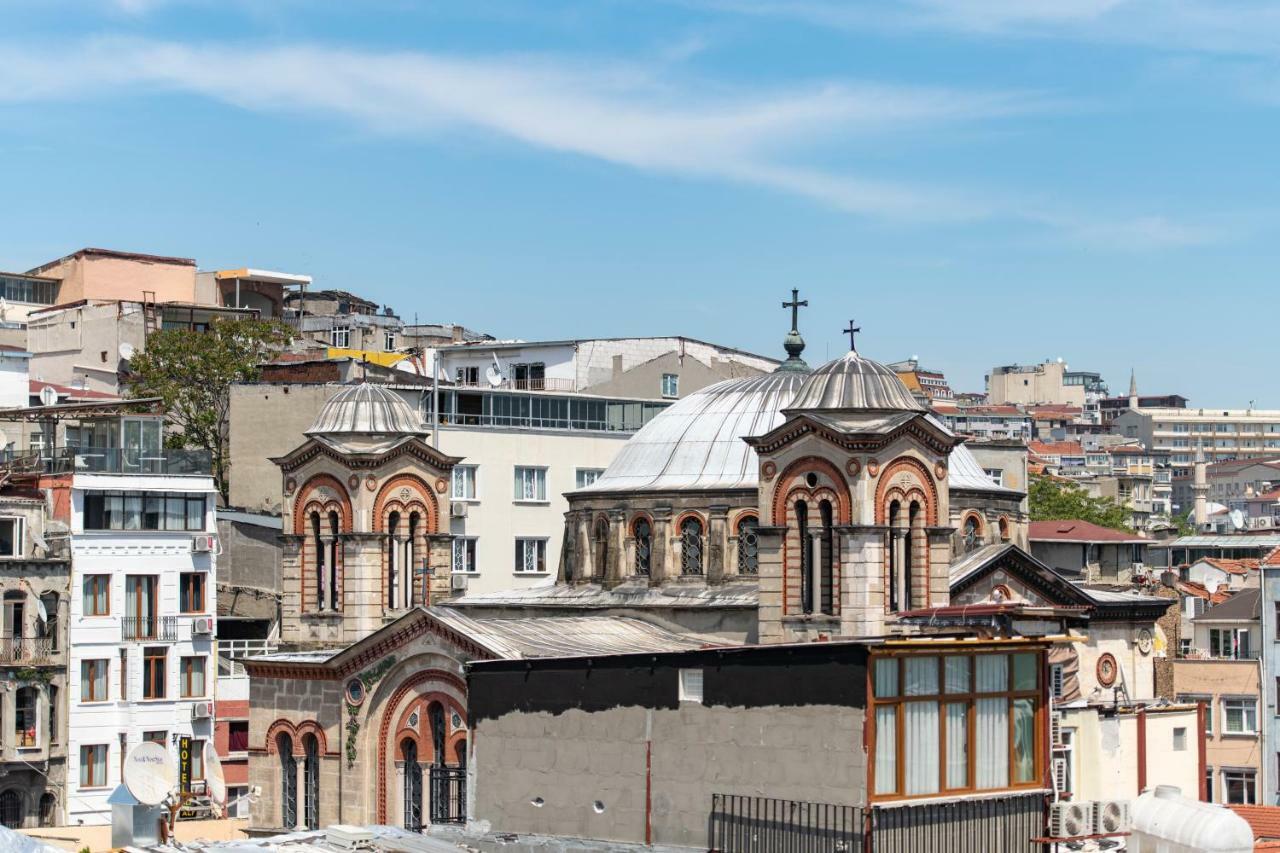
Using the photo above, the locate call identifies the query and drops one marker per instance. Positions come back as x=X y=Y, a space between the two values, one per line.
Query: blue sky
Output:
x=978 y=182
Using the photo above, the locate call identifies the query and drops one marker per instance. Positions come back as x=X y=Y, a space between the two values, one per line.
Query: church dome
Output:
x=367 y=409
x=855 y=383
x=697 y=444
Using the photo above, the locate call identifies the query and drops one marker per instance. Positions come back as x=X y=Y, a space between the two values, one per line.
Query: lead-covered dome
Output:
x=855 y=383
x=367 y=409
x=697 y=443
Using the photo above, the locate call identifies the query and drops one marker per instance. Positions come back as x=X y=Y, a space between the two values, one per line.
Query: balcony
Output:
x=27 y=650
x=549 y=383
x=149 y=628
x=110 y=460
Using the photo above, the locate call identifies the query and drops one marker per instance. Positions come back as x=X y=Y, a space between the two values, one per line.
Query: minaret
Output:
x=793 y=343
x=1200 y=486
x=1133 y=390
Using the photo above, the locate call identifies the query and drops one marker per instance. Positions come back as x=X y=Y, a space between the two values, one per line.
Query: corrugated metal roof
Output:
x=569 y=636
x=367 y=409
x=589 y=596
x=1256 y=540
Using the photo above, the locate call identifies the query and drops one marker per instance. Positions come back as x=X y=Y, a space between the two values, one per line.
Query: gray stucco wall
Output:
x=575 y=759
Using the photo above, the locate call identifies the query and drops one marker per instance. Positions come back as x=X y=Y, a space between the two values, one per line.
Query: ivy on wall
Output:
x=368 y=679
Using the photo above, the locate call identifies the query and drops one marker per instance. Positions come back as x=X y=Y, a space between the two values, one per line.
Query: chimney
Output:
x=456 y=333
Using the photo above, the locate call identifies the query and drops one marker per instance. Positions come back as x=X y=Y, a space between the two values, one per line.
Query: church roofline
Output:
x=313 y=447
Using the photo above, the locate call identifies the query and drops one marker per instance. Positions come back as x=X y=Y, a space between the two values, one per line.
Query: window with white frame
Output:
x=670 y=385
x=1180 y=739
x=389 y=341
x=1240 y=785
x=464 y=482
x=530 y=484
x=996 y=475
x=1239 y=716
x=584 y=477
x=1230 y=643
x=464 y=555
x=691 y=685
x=10 y=537
x=531 y=556
x=340 y=337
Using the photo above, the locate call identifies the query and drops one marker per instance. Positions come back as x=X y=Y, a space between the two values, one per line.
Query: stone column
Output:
x=440 y=563
x=717 y=541
x=659 y=558
x=300 y=767
x=898 y=535
x=613 y=571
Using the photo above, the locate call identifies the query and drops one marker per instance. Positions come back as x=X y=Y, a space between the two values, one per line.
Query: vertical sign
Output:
x=184 y=764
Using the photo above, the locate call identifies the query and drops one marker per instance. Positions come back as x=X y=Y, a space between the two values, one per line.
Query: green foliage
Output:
x=1053 y=500
x=192 y=373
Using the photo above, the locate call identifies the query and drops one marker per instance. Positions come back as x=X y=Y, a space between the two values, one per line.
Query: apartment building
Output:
x=1225 y=434
x=1269 y=644
x=35 y=585
x=140 y=524
x=344 y=322
x=1233 y=483
x=925 y=384
x=1049 y=382
x=985 y=422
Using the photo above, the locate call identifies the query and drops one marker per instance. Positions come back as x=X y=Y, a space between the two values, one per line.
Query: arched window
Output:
x=748 y=545
x=916 y=558
x=411 y=561
x=15 y=616
x=11 y=809
x=643 y=535
x=972 y=532
x=317 y=546
x=288 y=782
x=460 y=753
x=49 y=624
x=691 y=546
x=335 y=527
x=48 y=809
x=435 y=718
x=1004 y=529
x=393 y=555
x=805 y=546
x=412 y=785
x=26 y=717
x=53 y=713
x=896 y=533
x=311 y=779
x=601 y=547
x=826 y=570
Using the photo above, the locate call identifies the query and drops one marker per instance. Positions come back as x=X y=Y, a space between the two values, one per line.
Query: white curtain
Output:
x=886 y=677
x=886 y=750
x=957 y=674
x=992 y=740
x=958 y=745
x=1024 y=740
x=922 y=747
x=993 y=673
x=921 y=677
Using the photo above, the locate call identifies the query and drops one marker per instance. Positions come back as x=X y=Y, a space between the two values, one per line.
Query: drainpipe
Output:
x=1204 y=757
x=1142 y=750
x=342 y=744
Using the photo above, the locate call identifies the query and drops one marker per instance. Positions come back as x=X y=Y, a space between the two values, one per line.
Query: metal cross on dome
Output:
x=795 y=305
x=851 y=331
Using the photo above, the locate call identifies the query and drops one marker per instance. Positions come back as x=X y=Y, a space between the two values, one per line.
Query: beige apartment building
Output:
x=1225 y=434
x=1051 y=382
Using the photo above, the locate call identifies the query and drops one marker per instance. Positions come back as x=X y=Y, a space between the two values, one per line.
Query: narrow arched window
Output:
x=411 y=574
x=601 y=547
x=412 y=785
x=288 y=782
x=26 y=717
x=334 y=527
x=48 y=809
x=393 y=555
x=435 y=718
x=691 y=546
x=49 y=620
x=643 y=535
x=915 y=557
x=748 y=545
x=826 y=568
x=894 y=560
x=972 y=533
x=805 y=547
x=317 y=563
x=1004 y=530
x=311 y=779
x=11 y=810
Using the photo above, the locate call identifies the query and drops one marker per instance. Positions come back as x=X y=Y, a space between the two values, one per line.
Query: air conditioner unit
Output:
x=203 y=544
x=1055 y=728
x=458 y=582
x=1110 y=817
x=1060 y=775
x=202 y=625
x=458 y=510
x=202 y=710
x=1070 y=820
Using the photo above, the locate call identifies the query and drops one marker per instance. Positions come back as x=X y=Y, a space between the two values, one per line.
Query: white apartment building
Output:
x=142 y=660
x=1224 y=433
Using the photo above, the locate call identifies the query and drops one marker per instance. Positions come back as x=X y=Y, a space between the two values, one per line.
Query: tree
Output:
x=192 y=372
x=1052 y=499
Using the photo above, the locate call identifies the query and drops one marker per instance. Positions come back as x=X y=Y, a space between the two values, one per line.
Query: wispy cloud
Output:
x=626 y=114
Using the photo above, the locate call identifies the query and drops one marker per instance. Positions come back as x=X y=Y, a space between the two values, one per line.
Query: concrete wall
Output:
x=645 y=380
x=15 y=384
x=251 y=555
x=100 y=277
x=1106 y=755
x=1212 y=681
x=571 y=753
x=83 y=343
x=1041 y=383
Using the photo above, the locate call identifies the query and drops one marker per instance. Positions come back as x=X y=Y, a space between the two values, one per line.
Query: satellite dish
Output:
x=213 y=776
x=127 y=350
x=494 y=376
x=48 y=395
x=149 y=773
x=1237 y=519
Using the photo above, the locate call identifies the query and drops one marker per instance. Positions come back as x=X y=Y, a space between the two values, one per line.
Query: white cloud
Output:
x=623 y=114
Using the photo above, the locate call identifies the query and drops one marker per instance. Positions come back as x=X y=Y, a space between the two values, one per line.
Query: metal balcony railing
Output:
x=548 y=383
x=110 y=460
x=26 y=650
x=159 y=628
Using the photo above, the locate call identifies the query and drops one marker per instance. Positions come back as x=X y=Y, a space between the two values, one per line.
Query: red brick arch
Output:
x=428 y=499
x=977 y=516
x=384 y=743
x=311 y=727
x=924 y=482
x=277 y=728
x=803 y=465
x=303 y=499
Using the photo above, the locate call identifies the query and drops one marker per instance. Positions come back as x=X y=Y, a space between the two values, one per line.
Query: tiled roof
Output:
x=1272 y=559
x=1199 y=590
x=1126 y=449
x=1056 y=448
x=1075 y=530
x=73 y=393
x=1231 y=567
x=1263 y=820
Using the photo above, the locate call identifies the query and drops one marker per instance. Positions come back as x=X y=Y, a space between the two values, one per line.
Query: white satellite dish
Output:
x=494 y=376
x=127 y=350
x=149 y=773
x=213 y=776
x=48 y=395
x=1237 y=519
